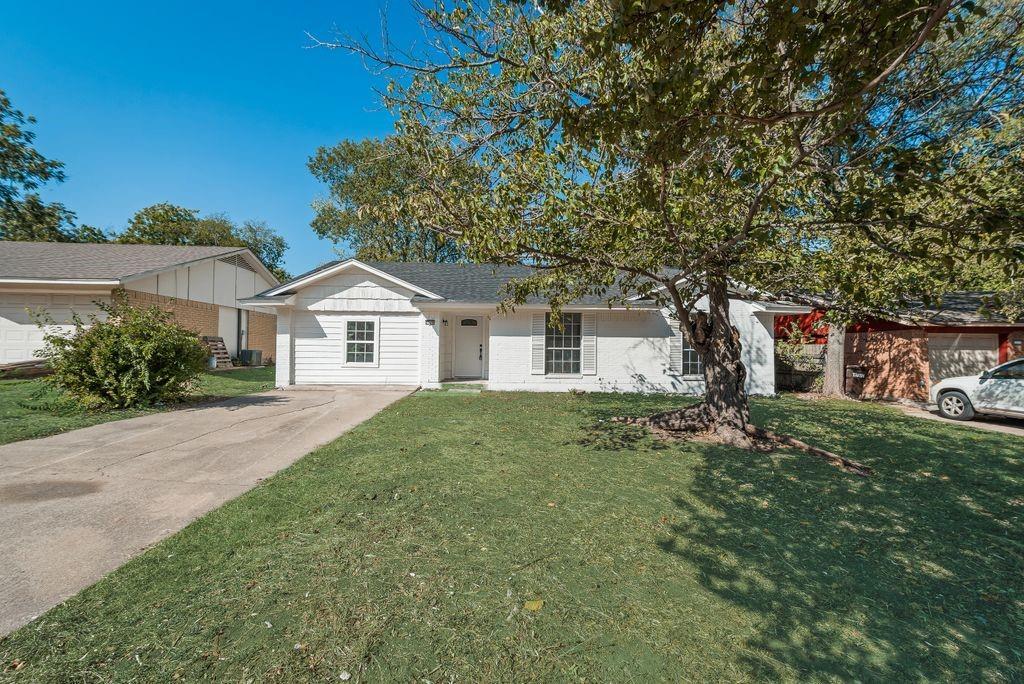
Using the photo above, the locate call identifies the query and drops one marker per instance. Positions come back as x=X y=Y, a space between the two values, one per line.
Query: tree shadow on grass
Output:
x=915 y=573
x=601 y=433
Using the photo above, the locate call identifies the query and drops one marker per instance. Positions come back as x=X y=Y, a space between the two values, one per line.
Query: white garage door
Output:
x=20 y=337
x=954 y=354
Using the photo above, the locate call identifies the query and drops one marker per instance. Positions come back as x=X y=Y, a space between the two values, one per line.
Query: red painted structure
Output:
x=895 y=353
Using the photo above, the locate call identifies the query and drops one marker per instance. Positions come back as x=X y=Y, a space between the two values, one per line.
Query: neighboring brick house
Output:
x=902 y=357
x=200 y=286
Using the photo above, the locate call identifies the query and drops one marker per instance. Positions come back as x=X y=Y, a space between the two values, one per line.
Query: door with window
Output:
x=469 y=347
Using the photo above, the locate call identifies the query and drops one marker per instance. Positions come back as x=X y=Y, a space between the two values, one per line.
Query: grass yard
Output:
x=511 y=537
x=31 y=408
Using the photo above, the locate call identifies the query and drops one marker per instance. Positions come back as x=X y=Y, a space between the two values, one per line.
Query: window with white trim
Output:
x=360 y=342
x=691 y=364
x=562 y=345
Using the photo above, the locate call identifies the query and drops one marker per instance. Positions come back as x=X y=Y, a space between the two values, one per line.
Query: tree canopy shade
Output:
x=369 y=173
x=23 y=213
x=831 y=146
x=169 y=224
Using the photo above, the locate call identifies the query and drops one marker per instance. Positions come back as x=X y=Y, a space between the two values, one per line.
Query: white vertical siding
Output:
x=167 y=284
x=145 y=285
x=181 y=277
x=200 y=283
x=318 y=341
x=224 y=284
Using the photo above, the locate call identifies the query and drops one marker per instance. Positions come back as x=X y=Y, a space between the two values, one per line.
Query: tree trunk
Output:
x=724 y=412
x=835 y=361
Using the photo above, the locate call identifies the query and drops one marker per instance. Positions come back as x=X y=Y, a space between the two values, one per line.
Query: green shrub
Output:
x=131 y=358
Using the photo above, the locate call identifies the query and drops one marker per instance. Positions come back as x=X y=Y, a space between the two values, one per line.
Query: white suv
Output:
x=999 y=391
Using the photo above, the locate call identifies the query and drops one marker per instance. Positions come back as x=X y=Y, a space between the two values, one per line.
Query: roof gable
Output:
x=337 y=267
x=105 y=262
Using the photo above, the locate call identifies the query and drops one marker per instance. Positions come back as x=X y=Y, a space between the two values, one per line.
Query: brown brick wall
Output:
x=198 y=317
x=263 y=334
x=1015 y=350
x=896 y=363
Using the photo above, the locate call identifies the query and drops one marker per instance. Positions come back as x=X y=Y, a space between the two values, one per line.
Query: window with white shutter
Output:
x=537 y=345
x=683 y=360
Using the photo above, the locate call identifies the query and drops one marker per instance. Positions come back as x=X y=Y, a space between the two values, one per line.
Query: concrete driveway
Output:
x=1007 y=426
x=75 y=506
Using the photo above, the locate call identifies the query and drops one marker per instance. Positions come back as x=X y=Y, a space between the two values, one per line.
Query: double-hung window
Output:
x=691 y=364
x=562 y=344
x=361 y=342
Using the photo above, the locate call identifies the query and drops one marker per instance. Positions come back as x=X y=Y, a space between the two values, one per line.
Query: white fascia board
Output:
x=488 y=306
x=46 y=281
x=343 y=266
x=282 y=300
x=779 y=308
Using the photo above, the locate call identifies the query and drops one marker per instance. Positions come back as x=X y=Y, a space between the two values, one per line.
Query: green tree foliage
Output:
x=673 y=149
x=368 y=173
x=169 y=224
x=266 y=244
x=23 y=214
x=125 y=357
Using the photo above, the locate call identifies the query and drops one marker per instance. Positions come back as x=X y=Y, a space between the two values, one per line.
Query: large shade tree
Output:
x=169 y=224
x=368 y=173
x=23 y=170
x=682 y=149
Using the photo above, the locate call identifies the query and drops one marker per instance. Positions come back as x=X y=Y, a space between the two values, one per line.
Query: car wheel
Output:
x=956 y=406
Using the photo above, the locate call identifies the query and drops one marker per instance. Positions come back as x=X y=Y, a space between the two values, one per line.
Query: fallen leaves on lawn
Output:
x=533 y=605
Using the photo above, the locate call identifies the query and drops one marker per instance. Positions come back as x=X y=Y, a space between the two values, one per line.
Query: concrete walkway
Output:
x=75 y=506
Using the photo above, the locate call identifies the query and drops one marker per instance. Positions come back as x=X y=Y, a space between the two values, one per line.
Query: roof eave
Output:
x=328 y=271
x=60 y=281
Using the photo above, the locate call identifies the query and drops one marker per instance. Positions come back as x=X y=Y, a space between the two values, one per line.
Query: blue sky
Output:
x=214 y=106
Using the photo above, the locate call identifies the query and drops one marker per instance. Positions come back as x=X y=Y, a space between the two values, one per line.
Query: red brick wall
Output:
x=263 y=334
x=896 y=362
x=198 y=317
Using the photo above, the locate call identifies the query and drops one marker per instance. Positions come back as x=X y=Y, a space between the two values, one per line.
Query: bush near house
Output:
x=132 y=357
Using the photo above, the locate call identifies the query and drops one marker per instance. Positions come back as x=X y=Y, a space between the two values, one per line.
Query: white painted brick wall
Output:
x=632 y=355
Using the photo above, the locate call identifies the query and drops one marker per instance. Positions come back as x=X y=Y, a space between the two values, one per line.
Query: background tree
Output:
x=266 y=244
x=369 y=173
x=23 y=213
x=169 y=224
x=674 y=149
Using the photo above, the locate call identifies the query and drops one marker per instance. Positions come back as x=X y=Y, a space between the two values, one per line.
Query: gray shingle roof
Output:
x=73 y=261
x=958 y=308
x=469 y=283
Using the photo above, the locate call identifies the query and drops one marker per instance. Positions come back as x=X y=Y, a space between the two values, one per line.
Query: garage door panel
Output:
x=951 y=354
x=20 y=338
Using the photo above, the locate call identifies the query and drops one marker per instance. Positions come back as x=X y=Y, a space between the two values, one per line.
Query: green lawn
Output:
x=31 y=408
x=409 y=549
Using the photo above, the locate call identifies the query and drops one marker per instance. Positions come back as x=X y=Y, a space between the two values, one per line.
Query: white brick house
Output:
x=422 y=324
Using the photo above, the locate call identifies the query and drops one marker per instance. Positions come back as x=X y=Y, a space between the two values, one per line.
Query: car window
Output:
x=1013 y=370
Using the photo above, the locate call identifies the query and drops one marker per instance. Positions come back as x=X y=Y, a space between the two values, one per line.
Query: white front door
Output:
x=469 y=347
